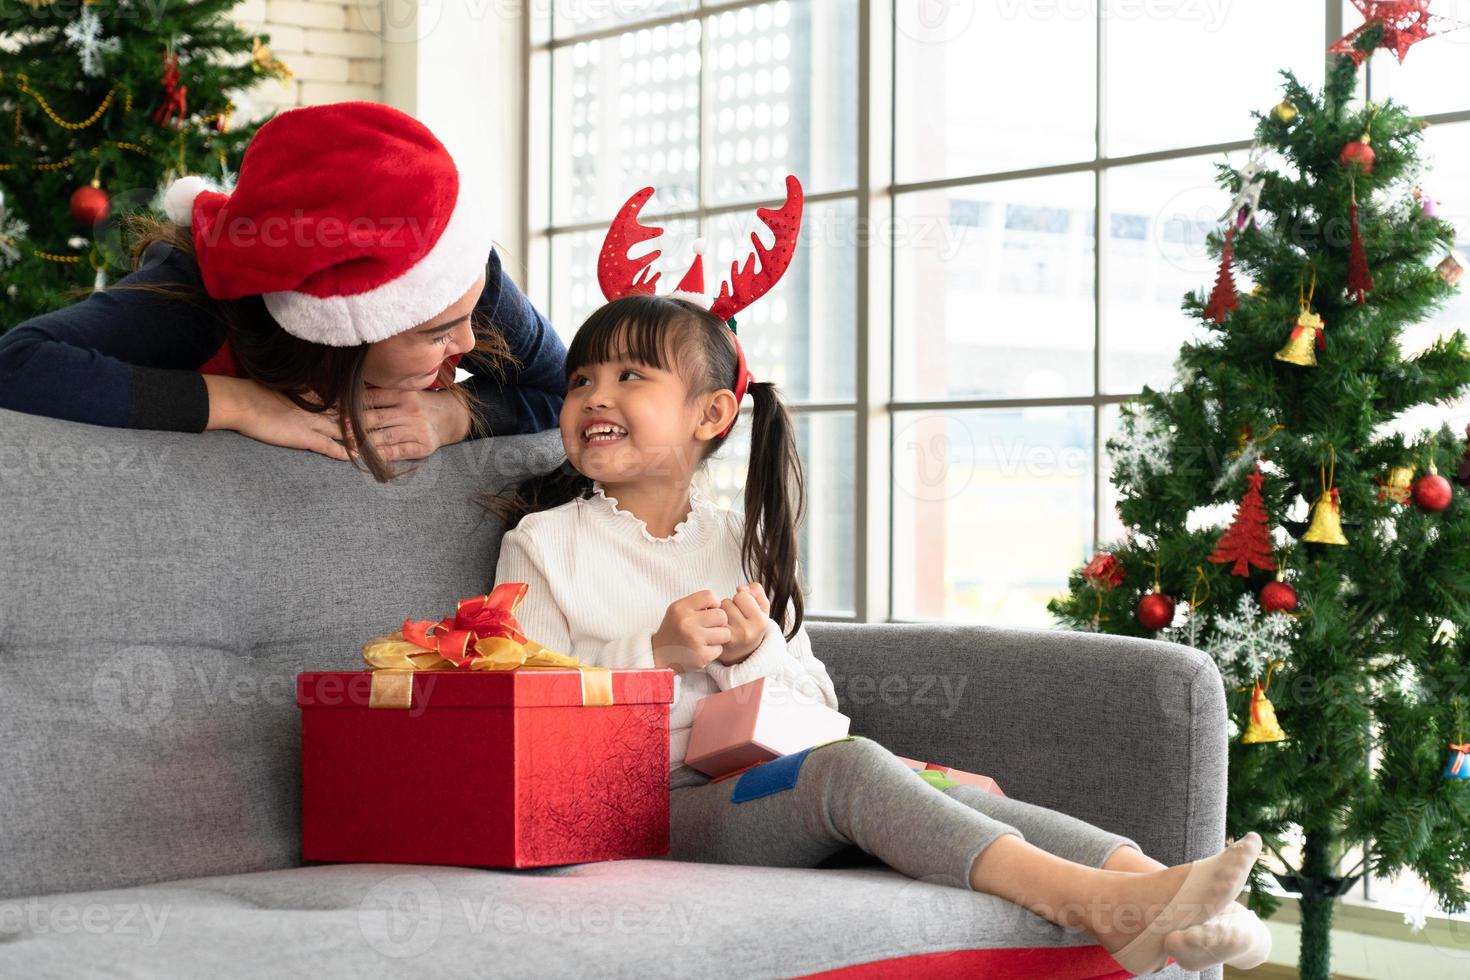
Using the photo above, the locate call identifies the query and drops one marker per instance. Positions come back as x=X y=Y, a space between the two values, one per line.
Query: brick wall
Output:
x=334 y=49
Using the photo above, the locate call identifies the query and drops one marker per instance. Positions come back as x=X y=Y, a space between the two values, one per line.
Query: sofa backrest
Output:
x=159 y=592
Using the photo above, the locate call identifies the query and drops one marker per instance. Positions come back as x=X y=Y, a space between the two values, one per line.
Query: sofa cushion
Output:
x=159 y=594
x=649 y=918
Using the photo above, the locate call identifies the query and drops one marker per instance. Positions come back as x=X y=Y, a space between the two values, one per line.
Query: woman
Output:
x=323 y=304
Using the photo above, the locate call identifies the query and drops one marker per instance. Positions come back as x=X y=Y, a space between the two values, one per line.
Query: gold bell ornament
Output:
x=1307 y=335
x=1400 y=481
x=1263 y=726
x=1326 y=526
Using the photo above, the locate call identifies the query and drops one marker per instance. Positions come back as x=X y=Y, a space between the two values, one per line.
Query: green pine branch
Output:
x=44 y=160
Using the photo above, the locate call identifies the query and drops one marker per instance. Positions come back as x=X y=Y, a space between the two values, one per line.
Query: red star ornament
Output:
x=1405 y=23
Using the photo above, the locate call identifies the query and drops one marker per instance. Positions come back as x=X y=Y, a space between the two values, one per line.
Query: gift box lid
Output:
x=521 y=688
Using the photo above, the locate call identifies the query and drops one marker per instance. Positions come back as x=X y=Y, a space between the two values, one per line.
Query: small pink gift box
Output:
x=958 y=775
x=754 y=723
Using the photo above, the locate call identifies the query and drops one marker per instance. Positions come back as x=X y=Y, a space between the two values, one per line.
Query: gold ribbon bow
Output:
x=484 y=624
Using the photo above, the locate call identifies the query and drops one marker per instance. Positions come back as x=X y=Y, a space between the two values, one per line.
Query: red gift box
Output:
x=958 y=775
x=486 y=768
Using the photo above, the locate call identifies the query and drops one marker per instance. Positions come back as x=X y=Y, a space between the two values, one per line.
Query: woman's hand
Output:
x=401 y=424
x=404 y=424
x=253 y=410
x=693 y=633
x=747 y=612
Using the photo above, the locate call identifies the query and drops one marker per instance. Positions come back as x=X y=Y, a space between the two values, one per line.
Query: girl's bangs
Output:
x=635 y=327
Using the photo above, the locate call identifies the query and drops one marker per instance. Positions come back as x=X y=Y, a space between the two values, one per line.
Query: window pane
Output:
x=985 y=87
x=591 y=15
x=537 y=281
x=1159 y=215
x=1151 y=47
x=575 y=292
x=781 y=93
x=825 y=442
x=960 y=481
x=994 y=290
x=1111 y=529
x=625 y=114
x=801 y=335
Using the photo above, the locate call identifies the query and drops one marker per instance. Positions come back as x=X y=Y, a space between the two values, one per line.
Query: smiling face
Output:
x=626 y=419
x=411 y=359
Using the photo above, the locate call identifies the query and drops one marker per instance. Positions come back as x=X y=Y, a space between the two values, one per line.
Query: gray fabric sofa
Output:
x=159 y=592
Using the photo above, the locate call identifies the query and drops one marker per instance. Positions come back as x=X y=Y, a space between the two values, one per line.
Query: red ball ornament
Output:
x=1156 y=610
x=1278 y=597
x=90 y=205
x=1358 y=153
x=1432 y=492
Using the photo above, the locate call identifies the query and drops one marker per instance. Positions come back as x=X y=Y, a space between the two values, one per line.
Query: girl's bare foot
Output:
x=1236 y=937
x=1137 y=912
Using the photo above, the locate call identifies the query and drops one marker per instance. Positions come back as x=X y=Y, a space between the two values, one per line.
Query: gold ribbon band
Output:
x=393 y=687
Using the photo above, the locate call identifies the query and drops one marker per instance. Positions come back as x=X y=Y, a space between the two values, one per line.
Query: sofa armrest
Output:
x=1125 y=733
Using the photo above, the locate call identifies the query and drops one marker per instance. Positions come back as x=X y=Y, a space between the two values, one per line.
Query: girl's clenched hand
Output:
x=694 y=631
x=747 y=612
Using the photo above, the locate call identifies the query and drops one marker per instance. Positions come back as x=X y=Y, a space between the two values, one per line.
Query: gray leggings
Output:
x=857 y=794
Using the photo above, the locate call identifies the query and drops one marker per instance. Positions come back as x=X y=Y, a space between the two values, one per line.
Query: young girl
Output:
x=630 y=564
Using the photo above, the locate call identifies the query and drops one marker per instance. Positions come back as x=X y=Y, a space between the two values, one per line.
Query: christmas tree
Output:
x=103 y=103
x=1337 y=603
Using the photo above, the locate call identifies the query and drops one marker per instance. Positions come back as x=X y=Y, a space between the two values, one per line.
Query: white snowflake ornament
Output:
x=1142 y=447
x=1189 y=625
x=1247 y=641
x=12 y=230
x=85 y=34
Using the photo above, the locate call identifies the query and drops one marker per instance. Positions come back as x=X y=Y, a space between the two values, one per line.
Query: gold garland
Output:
x=60 y=165
x=23 y=85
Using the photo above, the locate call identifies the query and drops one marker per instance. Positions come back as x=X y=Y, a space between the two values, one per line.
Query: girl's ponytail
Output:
x=775 y=499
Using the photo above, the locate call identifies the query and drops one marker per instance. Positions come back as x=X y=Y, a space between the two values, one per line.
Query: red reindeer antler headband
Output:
x=622 y=276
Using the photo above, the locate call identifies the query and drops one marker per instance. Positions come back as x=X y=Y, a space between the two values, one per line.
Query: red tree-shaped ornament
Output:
x=1360 y=281
x=1223 y=299
x=1247 y=542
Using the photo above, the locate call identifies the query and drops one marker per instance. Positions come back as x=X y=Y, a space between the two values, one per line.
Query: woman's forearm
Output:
x=449 y=416
x=228 y=400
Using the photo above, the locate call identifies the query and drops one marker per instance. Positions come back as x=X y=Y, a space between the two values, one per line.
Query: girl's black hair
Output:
x=676 y=335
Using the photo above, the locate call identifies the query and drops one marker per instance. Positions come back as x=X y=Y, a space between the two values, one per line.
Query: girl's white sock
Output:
x=1235 y=936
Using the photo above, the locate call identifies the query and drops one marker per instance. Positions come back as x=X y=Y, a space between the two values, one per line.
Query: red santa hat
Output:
x=350 y=220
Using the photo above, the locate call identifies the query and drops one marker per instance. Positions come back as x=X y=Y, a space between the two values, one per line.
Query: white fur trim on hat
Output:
x=430 y=286
x=178 y=200
x=694 y=298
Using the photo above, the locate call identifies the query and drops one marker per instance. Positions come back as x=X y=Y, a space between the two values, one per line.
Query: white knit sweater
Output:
x=600 y=584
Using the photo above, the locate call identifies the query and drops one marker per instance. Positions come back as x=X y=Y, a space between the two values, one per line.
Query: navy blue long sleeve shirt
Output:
x=131 y=358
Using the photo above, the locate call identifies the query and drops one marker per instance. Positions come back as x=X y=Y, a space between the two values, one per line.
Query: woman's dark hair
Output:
x=673 y=334
x=315 y=377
